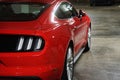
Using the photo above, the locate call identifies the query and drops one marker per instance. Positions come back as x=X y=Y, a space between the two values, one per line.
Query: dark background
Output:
x=87 y=1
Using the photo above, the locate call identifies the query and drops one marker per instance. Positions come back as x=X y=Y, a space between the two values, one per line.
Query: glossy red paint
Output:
x=48 y=63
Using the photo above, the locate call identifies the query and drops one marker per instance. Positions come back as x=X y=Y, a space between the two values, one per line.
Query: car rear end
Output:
x=24 y=50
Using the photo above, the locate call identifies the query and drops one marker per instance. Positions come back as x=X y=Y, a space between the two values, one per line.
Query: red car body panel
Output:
x=48 y=63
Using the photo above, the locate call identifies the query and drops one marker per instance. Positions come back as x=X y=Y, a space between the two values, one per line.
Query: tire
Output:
x=69 y=65
x=88 y=45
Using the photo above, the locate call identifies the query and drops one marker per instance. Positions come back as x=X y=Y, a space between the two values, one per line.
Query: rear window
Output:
x=21 y=11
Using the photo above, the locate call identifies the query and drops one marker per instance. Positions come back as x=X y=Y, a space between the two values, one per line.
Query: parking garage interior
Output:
x=102 y=62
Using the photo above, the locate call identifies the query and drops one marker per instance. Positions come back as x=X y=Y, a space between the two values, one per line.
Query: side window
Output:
x=65 y=10
x=59 y=13
x=74 y=12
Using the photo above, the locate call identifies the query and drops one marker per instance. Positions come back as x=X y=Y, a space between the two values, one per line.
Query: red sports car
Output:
x=41 y=39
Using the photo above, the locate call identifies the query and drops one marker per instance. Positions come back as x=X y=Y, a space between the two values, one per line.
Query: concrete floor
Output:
x=103 y=61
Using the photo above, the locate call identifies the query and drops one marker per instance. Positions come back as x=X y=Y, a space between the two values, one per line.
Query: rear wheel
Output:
x=88 y=45
x=69 y=65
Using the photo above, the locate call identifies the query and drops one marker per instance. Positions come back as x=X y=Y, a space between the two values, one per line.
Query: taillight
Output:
x=26 y=43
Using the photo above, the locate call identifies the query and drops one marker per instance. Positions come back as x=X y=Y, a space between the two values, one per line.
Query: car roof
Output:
x=40 y=1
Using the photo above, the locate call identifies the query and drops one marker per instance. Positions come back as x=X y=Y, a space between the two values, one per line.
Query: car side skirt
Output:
x=78 y=55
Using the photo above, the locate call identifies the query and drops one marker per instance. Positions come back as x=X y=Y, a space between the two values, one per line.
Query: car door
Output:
x=69 y=16
x=80 y=29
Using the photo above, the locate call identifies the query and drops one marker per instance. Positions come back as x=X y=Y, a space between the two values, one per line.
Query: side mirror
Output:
x=81 y=14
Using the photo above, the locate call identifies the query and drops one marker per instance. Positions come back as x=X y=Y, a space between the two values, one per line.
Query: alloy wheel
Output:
x=89 y=37
x=70 y=64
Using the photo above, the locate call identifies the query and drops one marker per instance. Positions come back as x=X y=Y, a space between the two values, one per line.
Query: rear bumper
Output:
x=41 y=65
x=35 y=73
